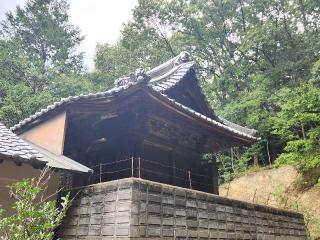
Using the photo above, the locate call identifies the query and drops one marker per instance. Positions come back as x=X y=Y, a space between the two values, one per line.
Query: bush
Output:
x=35 y=217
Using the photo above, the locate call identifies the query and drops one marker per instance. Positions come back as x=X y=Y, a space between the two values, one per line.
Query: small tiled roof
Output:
x=14 y=148
x=20 y=151
x=160 y=80
x=61 y=161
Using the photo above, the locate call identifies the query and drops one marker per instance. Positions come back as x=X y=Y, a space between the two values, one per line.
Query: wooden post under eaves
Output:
x=215 y=175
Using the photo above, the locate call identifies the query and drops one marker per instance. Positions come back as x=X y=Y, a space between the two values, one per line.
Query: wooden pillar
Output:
x=173 y=160
x=138 y=154
x=215 y=176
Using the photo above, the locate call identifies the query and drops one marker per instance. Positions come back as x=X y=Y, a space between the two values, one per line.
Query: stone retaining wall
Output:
x=139 y=209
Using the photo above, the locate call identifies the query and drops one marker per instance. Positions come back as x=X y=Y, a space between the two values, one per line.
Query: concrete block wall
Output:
x=99 y=211
x=139 y=209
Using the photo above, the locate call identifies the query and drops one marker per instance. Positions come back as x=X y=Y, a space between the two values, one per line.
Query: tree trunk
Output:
x=269 y=158
x=232 y=159
x=303 y=131
x=303 y=12
x=255 y=160
x=243 y=17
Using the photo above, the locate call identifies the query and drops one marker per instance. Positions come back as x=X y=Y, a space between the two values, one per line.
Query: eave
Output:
x=201 y=119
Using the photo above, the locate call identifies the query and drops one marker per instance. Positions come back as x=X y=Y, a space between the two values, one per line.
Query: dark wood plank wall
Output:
x=137 y=126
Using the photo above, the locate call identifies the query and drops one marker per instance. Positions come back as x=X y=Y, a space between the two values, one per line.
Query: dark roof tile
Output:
x=16 y=149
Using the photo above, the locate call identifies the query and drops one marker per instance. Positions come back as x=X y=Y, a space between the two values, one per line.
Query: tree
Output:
x=112 y=62
x=19 y=102
x=35 y=217
x=38 y=59
x=45 y=39
x=298 y=122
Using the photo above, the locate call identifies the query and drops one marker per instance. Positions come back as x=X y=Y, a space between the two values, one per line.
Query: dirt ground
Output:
x=259 y=187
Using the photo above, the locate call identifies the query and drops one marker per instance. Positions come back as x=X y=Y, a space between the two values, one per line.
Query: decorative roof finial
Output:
x=182 y=58
x=140 y=75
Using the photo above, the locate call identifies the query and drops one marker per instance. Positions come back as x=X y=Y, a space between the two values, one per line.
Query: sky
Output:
x=100 y=21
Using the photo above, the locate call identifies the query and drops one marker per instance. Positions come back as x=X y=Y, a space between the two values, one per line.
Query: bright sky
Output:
x=99 y=20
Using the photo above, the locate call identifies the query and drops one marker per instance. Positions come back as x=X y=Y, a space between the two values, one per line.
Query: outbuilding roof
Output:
x=14 y=148
x=61 y=161
x=20 y=151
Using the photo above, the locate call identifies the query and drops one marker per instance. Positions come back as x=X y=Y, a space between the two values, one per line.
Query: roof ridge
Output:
x=181 y=58
x=159 y=72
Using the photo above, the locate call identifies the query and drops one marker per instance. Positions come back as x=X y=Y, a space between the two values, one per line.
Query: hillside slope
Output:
x=274 y=187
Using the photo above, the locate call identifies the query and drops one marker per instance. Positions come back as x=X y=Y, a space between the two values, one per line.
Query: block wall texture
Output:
x=139 y=209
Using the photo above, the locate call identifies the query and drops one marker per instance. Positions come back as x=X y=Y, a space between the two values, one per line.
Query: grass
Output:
x=289 y=199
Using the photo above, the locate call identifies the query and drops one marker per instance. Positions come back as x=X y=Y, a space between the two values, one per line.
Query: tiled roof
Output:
x=248 y=131
x=170 y=73
x=166 y=75
x=159 y=79
x=61 y=161
x=70 y=100
x=163 y=83
x=162 y=78
x=14 y=148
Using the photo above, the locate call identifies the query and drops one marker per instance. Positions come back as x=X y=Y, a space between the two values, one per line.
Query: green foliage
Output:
x=71 y=85
x=45 y=38
x=19 y=102
x=38 y=60
x=112 y=62
x=299 y=111
x=35 y=217
x=232 y=164
x=298 y=121
x=307 y=180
